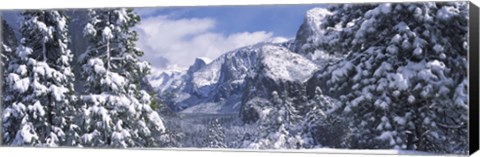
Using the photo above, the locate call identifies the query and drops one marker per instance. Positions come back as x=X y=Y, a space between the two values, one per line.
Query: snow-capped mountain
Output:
x=226 y=83
x=222 y=84
x=163 y=79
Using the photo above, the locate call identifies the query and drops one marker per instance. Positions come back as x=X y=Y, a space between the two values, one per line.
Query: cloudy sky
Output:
x=177 y=35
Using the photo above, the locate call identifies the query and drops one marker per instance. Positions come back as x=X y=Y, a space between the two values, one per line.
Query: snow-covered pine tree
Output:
x=39 y=94
x=172 y=136
x=117 y=112
x=322 y=125
x=8 y=41
x=278 y=125
x=287 y=110
x=405 y=69
x=216 y=134
x=314 y=117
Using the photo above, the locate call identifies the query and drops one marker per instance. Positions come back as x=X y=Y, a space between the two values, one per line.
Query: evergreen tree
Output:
x=405 y=69
x=278 y=125
x=322 y=125
x=117 y=112
x=39 y=95
x=8 y=43
x=216 y=135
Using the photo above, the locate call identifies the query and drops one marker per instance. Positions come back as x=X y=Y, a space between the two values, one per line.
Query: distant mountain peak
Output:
x=199 y=63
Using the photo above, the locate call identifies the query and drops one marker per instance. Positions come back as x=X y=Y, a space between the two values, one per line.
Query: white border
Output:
x=83 y=152
x=62 y=152
x=39 y=4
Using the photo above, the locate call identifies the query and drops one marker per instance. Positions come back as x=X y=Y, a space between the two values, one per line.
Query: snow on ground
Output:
x=204 y=108
x=230 y=106
x=325 y=151
x=363 y=151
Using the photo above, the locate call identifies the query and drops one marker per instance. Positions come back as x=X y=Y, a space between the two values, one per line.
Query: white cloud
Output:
x=180 y=41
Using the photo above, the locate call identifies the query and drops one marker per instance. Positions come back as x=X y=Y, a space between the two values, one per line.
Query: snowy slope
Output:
x=283 y=64
x=347 y=152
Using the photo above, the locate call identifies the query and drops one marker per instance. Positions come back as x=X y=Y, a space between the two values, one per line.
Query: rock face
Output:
x=310 y=29
x=198 y=64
